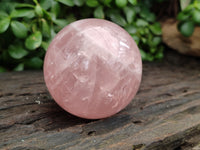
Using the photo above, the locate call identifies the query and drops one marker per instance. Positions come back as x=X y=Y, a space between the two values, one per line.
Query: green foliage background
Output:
x=189 y=17
x=27 y=27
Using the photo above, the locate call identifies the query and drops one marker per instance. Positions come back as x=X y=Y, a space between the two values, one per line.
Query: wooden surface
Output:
x=165 y=114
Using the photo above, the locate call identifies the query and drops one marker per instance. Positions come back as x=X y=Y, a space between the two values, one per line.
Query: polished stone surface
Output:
x=93 y=68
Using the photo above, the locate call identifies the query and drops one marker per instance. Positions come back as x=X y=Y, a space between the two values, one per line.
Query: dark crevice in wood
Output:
x=4 y=127
x=27 y=148
x=175 y=141
x=29 y=121
x=33 y=111
x=138 y=146
x=24 y=94
x=137 y=121
x=185 y=91
x=6 y=94
x=10 y=107
x=190 y=142
x=91 y=133
x=32 y=94
x=33 y=83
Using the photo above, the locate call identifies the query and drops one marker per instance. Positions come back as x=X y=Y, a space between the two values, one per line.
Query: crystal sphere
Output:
x=93 y=68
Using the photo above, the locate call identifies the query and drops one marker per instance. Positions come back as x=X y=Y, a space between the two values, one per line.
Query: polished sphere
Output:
x=93 y=68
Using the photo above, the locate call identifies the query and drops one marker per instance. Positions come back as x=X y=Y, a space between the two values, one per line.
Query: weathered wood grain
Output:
x=165 y=114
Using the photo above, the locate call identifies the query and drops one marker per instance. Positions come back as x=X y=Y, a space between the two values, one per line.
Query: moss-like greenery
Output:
x=27 y=27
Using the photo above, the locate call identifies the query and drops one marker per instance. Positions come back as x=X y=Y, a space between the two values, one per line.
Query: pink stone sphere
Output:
x=93 y=68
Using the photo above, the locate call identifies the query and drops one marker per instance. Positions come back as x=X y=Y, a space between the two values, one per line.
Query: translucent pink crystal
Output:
x=93 y=68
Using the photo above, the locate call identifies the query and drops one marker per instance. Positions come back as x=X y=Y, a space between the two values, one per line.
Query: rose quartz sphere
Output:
x=93 y=68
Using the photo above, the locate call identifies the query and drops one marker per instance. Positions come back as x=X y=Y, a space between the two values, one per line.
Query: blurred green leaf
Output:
x=156 y=28
x=130 y=14
x=149 y=57
x=146 y=30
x=184 y=3
x=2 y=69
x=48 y=15
x=53 y=34
x=34 y=41
x=7 y=6
x=34 y=63
x=117 y=18
x=196 y=16
x=196 y=4
x=3 y=14
x=22 y=5
x=4 y=24
x=151 y=17
x=67 y=2
x=141 y=23
x=156 y=41
x=98 y=12
x=137 y=9
x=17 y=52
x=183 y=16
x=121 y=3
x=106 y=2
x=71 y=18
x=19 y=67
x=131 y=29
x=45 y=45
x=136 y=39
x=61 y=22
x=152 y=50
x=45 y=28
x=46 y=4
x=188 y=9
x=159 y=55
x=36 y=2
x=133 y=2
x=92 y=3
x=55 y=9
x=34 y=27
x=141 y=31
x=79 y=2
x=186 y=28
x=146 y=14
x=19 y=29
x=38 y=10
x=22 y=13
x=143 y=54
x=144 y=40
